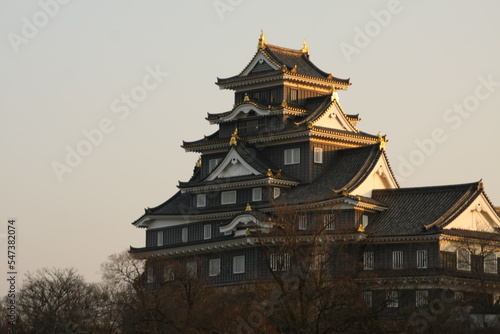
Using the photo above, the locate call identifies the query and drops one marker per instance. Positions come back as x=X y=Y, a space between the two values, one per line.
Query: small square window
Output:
x=239 y=264
x=490 y=264
x=364 y=220
x=159 y=238
x=257 y=194
x=276 y=192
x=228 y=197
x=207 y=232
x=184 y=234
x=214 y=267
x=463 y=259
x=292 y=156
x=318 y=155
x=201 y=200
x=168 y=273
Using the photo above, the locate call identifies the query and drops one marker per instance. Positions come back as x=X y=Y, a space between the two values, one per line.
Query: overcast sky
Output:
x=97 y=96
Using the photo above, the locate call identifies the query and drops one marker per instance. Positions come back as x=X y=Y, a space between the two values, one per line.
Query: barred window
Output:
x=303 y=222
x=318 y=261
x=490 y=264
x=201 y=200
x=391 y=299
x=463 y=259
x=213 y=163
x=184 y=234
x=368 y=261
x=421 y=297
x=150 y=275
x=397 y=260
x=329 y=221
x=280 y=262
x=228 y=197
x=256 y=194
x=422 y=259
x=368 y=297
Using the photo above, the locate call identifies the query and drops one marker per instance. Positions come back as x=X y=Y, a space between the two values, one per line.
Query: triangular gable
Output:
x=381 y=177
x=259 y=63
x=479 y=216
x=334 y=118
x=232 y=165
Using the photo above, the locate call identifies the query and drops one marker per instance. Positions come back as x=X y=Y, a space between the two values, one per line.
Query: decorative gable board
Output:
x=258 y=64
x=333 y=118
x=242 y=111
x=232 y=165
x=380 y=177
x=479 y=216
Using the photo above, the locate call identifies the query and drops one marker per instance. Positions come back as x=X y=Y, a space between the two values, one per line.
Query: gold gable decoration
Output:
x=262 y=41
x=234 y=138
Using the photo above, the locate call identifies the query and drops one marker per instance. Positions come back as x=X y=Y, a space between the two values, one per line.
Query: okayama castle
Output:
x=287 y=142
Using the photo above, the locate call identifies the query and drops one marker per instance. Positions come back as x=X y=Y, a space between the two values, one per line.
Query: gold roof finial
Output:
x=248 y=232
x=246 y=98
x=262 y=41
x=382 y=141
x=198 y=162
x=248 y=208
x=269 y=173
x=234 y=138
x=345 y=192
x=305 y=48
x=280 y=172
x=361 y=228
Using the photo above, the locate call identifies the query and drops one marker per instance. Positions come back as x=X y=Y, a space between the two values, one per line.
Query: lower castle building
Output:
x=287 y=160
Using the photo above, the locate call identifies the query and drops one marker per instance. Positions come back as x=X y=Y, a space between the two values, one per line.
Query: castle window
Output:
x=463 y=259
x=239 y=264
x=207 y=232
x=292 y=156
x=421 y=297
x=329 y=221
x=391 y=298
x=367 y=295
x=201 y=200
x=294 y=95
x=168 y=273
x=276 y=192
x=159 y=238
x=184 y=234
x=397 y=260
x=214 y=267
x=192 y=269
x=212 y=164
x=256 y=194
x=422 y=259
x=368 y=261
x=280 y=262
x=228 y=197
x=318 y=155
x=150 y=276
x=303 y=223
x=364 y=220
x=490 y=264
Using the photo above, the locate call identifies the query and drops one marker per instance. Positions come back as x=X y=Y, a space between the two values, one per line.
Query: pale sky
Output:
x=425 y=73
